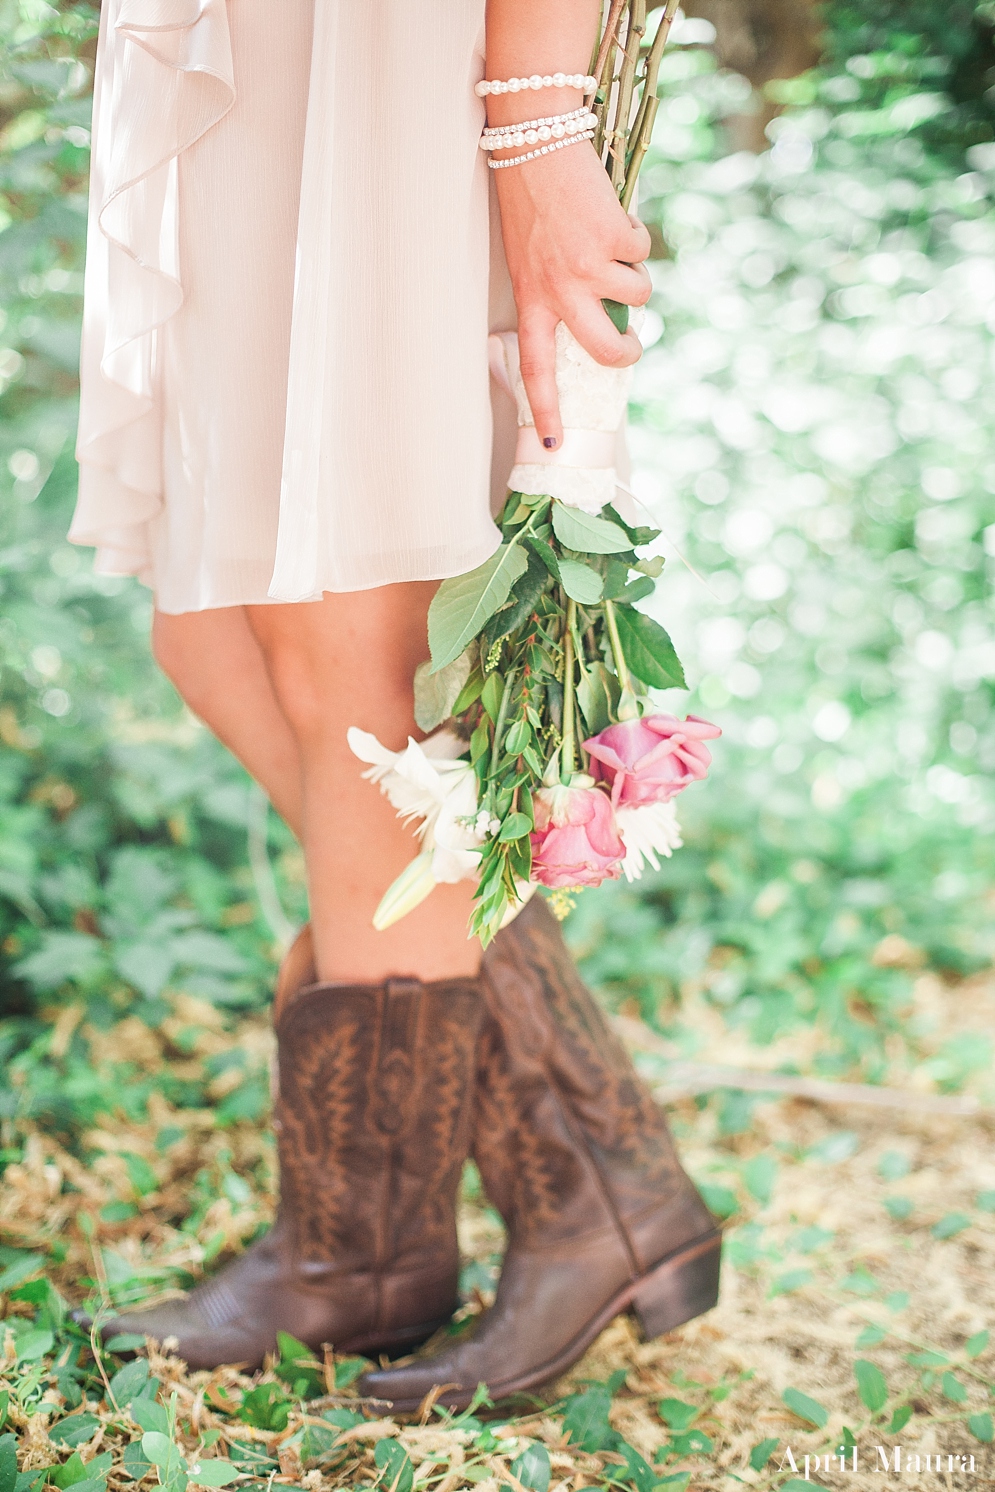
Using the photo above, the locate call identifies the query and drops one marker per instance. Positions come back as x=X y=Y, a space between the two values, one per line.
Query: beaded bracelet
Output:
x=534 y=124
x=519 y=160
x=537 y=80
x=524 y=135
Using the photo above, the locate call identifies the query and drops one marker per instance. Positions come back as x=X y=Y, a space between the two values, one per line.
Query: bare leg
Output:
x=215 y=663
x=350 y=660
x=282 y=704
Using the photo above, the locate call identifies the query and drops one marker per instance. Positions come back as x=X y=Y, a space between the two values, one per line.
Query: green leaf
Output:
x=19 y=1269
x=129 y=1341
x=762 y=1452
x=986 y=1201
x=75 y=1471
x=518 y=737
x=213 y=1473
x=462 y=605
x=974 y=1346
x=522 y=602
x=676 y=1414
x=514 y=827
x=637 y=1471
x=677 y=1482
x=128 y=1383
x=759 y=1175
x=900 y=1419
x=893 y=1166
x=648 y=650
x=8 y=1463
x=136 y=1462
x=32 y=1346
x=75 y=1429
x=952 y=1388
x=807 y=1409
x=791 y=1279
x=871 y=1385
x=871 y=1336
x=161 y=1451
x=950 y=1225
x=150 y=1415
x=618 y=314
x=492 y=694
x=585 y=1421
x=544 y=552
x=586 y=534
x=721 y=1200
x=899 y=1208
x=580 y=582
x=981 y=1427
x=397 y=1472
x=436 y=692
x=532 y=1467
x=694 y=1443
x=597 y=694
x=4 y=1403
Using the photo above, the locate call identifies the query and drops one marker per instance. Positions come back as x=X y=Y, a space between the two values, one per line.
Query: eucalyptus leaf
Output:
x=648 y=650
x=462 y=605
x=586 y=534
x=580 y=582
x=436 y=692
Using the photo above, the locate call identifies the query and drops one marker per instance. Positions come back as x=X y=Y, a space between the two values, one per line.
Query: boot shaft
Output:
x=374 y=1116
x=582 y=1145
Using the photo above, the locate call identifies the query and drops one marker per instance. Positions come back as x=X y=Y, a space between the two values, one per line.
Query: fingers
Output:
x=629 y=283
x=594 y=331
x=537 y=354
x=634 y=242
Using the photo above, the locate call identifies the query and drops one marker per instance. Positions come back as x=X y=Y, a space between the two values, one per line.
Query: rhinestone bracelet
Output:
x=519 y=160
x=534 y=124
x=517 y=134
x=537 y=81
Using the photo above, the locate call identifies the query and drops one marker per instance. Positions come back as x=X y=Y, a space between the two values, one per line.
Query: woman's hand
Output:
x=569 y=245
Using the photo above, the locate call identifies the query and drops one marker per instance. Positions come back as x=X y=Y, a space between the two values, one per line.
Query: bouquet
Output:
x=547 y=762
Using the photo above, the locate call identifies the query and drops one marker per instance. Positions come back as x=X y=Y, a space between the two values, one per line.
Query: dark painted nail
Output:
x=549 y=441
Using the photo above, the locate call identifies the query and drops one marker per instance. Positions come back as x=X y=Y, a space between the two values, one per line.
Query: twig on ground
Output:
x=685 y=1079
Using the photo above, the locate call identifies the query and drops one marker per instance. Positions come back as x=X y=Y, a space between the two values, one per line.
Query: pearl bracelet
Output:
x=519 y=160
x=517 y=134
x=537 y=81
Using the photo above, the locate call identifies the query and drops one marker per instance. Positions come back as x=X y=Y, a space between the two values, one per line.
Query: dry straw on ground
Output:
x=814 y=1259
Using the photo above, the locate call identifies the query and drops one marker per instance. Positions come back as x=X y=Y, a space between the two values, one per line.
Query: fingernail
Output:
x=549 y=441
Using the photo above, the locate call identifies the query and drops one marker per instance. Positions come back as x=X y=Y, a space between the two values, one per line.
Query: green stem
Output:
x=647 y=113
x=621 y=667
x=568 y=760
x=501 y=722
x=635 y=31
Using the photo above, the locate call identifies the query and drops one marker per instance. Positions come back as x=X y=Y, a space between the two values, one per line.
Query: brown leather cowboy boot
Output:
x=374 y=1120
x=577 y=1157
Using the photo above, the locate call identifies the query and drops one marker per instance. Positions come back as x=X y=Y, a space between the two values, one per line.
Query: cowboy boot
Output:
x=373 y=1121
x=577 y=1157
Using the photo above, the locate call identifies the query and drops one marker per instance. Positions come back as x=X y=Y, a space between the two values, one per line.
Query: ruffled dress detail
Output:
x=165 y=78
x=285 y=372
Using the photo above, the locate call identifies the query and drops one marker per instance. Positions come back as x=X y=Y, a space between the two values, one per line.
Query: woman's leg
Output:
x=280 y=685
x=215 y=664
x=350 y=660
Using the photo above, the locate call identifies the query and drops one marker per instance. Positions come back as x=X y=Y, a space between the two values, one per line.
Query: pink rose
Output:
x=651 y=760
x=576 y=841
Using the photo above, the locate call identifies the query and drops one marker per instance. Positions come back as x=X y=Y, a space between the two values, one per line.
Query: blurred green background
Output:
x=813 y=427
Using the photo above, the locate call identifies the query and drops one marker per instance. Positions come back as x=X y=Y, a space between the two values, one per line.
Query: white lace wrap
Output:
x=583 y=471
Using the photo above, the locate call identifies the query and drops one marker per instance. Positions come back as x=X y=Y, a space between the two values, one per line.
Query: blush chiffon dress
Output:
x=293 y=267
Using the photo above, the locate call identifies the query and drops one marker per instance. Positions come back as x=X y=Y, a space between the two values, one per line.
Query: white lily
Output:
x=647 y=832
x=430 y=782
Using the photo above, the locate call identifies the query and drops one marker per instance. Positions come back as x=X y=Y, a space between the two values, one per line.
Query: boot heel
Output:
x=682 y=1287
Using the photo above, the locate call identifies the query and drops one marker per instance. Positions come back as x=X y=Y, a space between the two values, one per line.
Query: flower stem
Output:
x=568 y=759
x=501 y=722
x=621 y=667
